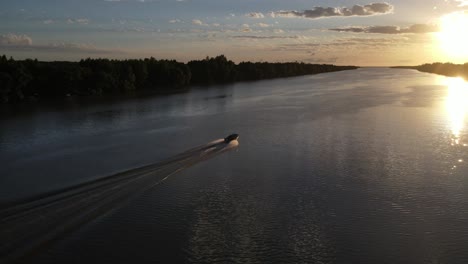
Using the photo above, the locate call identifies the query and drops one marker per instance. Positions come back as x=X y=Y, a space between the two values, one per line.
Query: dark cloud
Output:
x=414 y=29
x=356 y=10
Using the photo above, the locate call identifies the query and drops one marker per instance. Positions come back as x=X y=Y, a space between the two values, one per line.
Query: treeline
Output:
x=32 y=80
x=447 y=69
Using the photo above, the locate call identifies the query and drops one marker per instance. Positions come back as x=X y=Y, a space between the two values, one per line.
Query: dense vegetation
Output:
x=31 y=80
x=447 y=69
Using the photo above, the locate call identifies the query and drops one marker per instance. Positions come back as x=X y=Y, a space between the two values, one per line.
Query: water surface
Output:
x=365 y=166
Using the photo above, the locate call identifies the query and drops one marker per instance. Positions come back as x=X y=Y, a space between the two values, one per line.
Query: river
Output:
x=362 y=166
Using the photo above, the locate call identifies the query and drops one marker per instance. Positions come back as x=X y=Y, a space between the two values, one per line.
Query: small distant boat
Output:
x=231 y=138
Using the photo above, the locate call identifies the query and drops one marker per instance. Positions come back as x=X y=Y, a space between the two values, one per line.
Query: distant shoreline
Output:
x=446 y=69
x=29 y=81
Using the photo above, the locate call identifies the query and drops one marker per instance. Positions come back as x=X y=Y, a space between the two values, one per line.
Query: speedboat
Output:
x=231 y=138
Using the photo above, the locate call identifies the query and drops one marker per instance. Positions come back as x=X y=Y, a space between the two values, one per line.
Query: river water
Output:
x=363 y=166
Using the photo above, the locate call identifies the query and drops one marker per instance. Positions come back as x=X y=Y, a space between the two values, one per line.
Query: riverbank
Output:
x=29 y=81
x=446 y=69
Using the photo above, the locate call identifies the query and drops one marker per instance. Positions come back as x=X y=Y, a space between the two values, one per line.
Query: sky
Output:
x=343 y=32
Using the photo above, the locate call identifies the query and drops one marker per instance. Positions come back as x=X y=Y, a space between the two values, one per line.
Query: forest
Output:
x=32 y=80
x=447 y=69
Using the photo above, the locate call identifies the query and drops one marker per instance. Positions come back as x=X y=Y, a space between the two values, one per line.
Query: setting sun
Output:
x=454 y=34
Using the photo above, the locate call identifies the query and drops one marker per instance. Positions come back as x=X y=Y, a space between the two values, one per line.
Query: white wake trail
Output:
x=27 y=225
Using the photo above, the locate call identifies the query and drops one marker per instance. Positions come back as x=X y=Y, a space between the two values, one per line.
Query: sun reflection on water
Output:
x=457 y=106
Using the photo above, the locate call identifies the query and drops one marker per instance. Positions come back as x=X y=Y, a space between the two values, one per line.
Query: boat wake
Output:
x=25 y=226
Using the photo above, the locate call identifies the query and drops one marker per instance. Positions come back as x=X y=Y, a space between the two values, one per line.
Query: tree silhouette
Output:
x=34 y=80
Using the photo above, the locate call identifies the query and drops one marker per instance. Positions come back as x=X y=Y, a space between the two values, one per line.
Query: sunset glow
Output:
x=362 y=33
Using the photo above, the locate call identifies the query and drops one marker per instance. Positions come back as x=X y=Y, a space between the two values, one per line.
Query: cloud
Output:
x=255 y=15
x=356 y=10
x=422 y=28
x=321 y=60
x=83 y=21
x=414 y=29
x=346 y=46
x=65 y=46
x=10 y=40
x=245 y=28
x=24 y=43
x=266 y=37
x=262 y=25
x=138 y=1
x=173 y=21
x=462 y=2
x=198 y=22
x=62 y=47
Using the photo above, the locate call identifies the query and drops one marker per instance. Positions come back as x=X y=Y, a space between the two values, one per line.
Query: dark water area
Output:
x=27 y=225
x=364 y=166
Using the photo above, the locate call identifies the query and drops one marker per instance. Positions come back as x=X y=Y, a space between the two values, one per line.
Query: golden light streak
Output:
x=457 y=106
